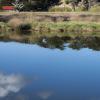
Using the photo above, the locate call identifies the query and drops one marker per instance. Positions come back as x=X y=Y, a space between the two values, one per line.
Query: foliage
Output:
x=69 y=1
x=95 y=8
x=60 y=9
x=44 y=5
x=24 y=27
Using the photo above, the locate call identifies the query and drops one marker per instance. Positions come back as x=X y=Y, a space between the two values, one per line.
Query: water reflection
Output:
x=74 y=43
x=10 y=83
x=57 y=41
x=52 y=43
x=71 y=75
x=45 y=94
x=86 y=42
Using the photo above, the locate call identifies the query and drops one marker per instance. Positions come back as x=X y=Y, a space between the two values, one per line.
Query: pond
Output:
x=50 y=70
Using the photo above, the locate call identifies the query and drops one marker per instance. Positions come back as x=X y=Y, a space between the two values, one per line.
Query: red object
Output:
x=8 y=7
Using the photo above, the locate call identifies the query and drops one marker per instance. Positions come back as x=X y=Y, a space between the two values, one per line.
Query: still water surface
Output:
x=31 y=72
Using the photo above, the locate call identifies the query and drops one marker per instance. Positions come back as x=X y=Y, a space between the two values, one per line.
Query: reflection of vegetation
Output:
x=86 y=42
x=76 y=43
x=55 y=40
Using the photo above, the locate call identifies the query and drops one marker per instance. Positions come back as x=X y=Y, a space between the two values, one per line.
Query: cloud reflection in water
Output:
x=45 y=95
x=10 y=83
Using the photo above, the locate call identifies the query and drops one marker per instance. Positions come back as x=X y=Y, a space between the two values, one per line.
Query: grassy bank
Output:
x=51 y=22
x=62 y=27
x=70 y=26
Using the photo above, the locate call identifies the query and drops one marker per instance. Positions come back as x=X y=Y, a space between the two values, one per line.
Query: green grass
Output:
x=71 y=26
x=60 y=9
x=62 y=27
x=95 y=8
x=85 y=22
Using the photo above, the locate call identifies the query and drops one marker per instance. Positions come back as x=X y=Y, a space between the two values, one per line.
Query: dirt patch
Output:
x=54 y=17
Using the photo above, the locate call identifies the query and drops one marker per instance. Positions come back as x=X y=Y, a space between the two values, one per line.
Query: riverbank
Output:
x=51 y=16
x=51 y=22
x=67 y=27
x=51 y=27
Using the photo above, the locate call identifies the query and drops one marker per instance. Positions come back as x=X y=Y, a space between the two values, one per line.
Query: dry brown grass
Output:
x=15 y=22
x=55 y=16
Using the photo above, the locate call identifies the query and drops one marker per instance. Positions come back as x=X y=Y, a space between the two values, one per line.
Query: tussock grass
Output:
x=14 y=23
x=19 y=25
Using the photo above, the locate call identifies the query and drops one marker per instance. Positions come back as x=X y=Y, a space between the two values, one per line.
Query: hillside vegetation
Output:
x=54 y=5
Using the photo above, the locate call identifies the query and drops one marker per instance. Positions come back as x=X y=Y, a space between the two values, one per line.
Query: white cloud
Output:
x=10 y=83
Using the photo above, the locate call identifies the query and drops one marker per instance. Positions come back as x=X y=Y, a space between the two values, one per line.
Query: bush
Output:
x=69 y=1
x=14 y=22
x=81 y=8
x=24 y=27
x=95 y=8
x=60 y=9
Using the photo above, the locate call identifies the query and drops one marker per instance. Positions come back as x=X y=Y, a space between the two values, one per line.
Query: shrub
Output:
x=69 y=1
x=81 y=8
x=95 y=8
x=19 y=25
x=60 y=9
x=15 y=22
x=24 y=27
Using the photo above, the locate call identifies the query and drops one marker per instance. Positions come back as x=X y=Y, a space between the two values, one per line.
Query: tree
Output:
x=39 y=4
x=73 y=3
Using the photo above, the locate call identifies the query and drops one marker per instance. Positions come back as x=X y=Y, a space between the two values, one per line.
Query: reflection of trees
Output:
x=53 y=42
x=76 y=43
x=86 y=42
x=59 y=42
